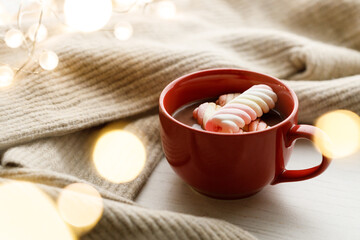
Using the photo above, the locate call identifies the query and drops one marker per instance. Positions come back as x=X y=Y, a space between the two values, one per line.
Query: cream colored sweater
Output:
x=48 y=120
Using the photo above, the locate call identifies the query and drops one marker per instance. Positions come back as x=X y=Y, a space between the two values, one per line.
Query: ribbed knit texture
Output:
x=49 y=120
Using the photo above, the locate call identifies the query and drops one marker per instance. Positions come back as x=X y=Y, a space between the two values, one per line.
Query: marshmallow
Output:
x=204 y=112
x=242 y=110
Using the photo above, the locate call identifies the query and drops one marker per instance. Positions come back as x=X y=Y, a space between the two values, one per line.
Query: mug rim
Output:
x=219 y=71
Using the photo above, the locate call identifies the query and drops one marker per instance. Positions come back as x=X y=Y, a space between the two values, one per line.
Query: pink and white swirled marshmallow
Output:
x=204 y=112
x=242 y=110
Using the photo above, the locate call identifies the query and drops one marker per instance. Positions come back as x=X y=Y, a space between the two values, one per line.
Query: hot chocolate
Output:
x=184 y=114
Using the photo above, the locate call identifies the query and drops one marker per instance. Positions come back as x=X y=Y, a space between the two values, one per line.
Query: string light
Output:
x=48 y=60
x=123 y=31
x=41 y=32
x=83 y=15
x=165 y=9
x=87 y=15
x=14 y=38
x=6 y=76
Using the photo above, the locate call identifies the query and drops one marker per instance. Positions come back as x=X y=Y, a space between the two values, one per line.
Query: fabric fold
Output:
x=69 y=158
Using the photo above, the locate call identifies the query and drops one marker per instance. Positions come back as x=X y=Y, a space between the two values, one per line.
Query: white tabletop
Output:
x=324 y=208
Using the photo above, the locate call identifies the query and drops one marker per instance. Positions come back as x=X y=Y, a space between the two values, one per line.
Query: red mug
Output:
x=224 y=165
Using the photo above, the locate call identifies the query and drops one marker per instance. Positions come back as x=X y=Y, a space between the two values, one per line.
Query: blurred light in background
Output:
x=80 y=15
x=41 y=32
x=48 y=60
x=343 y=129
x=81 y=206
x=123 y=31
x=165 y=9
x=87 y=15
x=28 y=213
x=14 y=38
x=119 y=156
x=6 y=76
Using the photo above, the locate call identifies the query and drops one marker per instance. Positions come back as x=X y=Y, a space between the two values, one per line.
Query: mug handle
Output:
x=307 y=132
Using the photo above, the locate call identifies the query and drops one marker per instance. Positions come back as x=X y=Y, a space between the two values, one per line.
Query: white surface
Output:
x=323 y=208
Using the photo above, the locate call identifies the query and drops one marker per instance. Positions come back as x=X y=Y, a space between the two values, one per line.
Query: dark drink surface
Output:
x=184 y=114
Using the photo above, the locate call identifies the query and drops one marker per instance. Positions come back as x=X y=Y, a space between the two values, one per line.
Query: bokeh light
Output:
x=165 y=9
x=41 y=32
x=343 y=129
x=28 y=213
x=119 y=156
x=81 y=206
x=48 y=60
x=14 y=38
x=6 y=76
x=87 y=15
x=123 y=31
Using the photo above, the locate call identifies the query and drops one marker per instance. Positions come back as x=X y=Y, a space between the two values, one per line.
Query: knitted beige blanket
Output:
x=48 y=120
